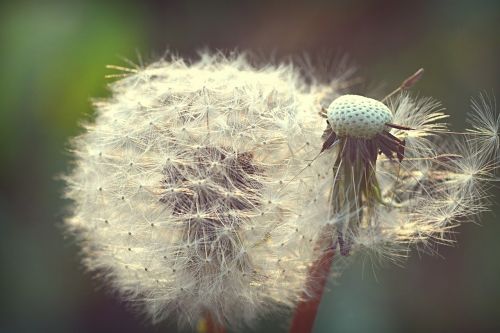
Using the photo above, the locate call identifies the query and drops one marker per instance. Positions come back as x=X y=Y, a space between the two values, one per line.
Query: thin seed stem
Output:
x=406 y=84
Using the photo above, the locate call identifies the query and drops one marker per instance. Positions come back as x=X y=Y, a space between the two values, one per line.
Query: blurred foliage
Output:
x=53 y=56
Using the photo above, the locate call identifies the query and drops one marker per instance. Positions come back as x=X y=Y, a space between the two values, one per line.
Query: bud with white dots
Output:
x=358 y=116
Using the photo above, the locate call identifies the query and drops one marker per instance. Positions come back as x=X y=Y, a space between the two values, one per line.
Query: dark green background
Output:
x=52 y=61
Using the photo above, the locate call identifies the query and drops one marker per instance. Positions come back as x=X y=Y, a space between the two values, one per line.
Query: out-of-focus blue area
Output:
x=52 y=61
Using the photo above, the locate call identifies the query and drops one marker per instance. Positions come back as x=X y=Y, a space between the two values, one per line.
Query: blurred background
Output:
x=52 y=61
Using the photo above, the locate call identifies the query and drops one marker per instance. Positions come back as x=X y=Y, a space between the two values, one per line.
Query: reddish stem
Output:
x=305 y=313
x=213 y=326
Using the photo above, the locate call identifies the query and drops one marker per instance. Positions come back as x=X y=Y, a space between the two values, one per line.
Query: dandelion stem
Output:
x=306 y=311
x=212 y=326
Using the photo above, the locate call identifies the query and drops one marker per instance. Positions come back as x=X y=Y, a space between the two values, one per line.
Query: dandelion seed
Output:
x=485 y=121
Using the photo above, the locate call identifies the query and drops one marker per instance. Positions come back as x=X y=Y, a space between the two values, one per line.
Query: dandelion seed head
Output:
x=409 y=185
x=184 y=189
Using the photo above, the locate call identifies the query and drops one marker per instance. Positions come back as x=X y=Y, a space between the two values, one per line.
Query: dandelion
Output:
x=179 y=189
x=399 y=177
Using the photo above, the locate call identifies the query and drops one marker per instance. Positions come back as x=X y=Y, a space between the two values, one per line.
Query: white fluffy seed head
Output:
x=178 y=189
x=358 y=116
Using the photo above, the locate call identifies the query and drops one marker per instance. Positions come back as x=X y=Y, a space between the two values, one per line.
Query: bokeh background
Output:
x=52 y=61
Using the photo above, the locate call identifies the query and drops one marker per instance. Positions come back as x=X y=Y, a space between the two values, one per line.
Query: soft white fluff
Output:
x=185 y=192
